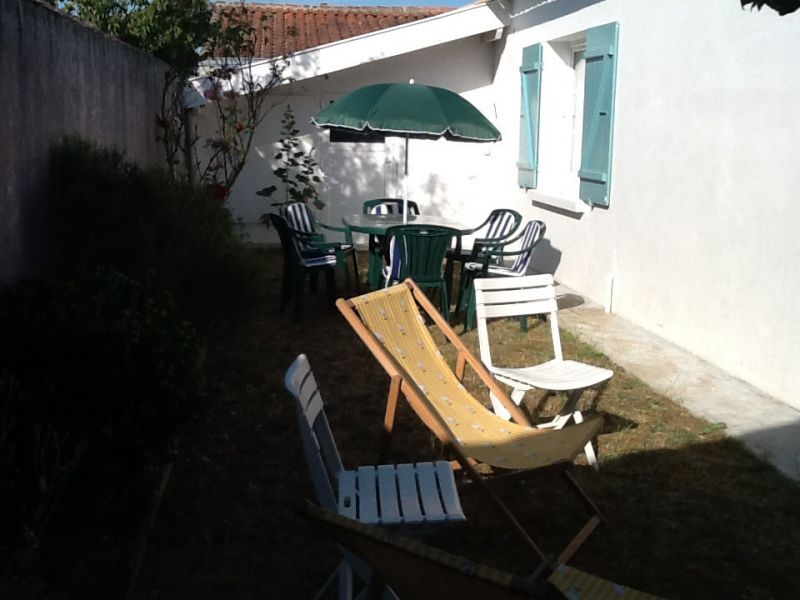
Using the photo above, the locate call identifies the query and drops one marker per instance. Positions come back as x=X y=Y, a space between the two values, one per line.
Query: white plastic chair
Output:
x=490 y=264
x=405 y=495
x=526 y=296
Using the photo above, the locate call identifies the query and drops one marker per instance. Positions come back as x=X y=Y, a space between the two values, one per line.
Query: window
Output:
x=576 y=134
x=566 y=120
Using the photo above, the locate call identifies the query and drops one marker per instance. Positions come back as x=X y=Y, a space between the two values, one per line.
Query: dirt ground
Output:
x=690 y=513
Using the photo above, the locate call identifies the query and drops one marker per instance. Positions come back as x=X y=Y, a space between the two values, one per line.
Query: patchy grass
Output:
x=690 y=513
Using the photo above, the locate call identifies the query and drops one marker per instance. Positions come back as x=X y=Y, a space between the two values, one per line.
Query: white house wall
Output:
x=701 y=236
x=448 y=178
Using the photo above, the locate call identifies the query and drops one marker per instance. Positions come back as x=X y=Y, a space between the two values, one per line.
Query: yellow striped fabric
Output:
x=392 y=316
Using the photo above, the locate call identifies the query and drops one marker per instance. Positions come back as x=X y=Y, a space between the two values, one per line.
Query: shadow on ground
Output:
x=690 y=513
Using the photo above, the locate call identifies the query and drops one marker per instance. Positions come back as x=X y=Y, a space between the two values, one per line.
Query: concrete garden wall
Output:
x=62 y=77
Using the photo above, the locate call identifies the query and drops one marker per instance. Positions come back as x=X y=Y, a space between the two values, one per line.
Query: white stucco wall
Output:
x=701 y=234
x=447 y=178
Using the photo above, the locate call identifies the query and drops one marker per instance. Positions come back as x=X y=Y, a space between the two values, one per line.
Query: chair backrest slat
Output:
x=299 y=216
x=322 y=455
x=525 y=294
x=499 y=226
x=514 y=297
x=502 y=223
x=515 y=309
x=531 y=236
x=418 y=251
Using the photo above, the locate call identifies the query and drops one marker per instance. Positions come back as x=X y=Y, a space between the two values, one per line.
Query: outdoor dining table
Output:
x=378 y=224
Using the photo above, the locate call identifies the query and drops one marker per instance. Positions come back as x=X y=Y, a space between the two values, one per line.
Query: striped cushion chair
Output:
x=299 y=261
x=489 y=263
x=490 y=235
x=301 y=219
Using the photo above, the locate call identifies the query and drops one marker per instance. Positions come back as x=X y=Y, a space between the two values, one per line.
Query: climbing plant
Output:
x=295 y=166
x=215 y=49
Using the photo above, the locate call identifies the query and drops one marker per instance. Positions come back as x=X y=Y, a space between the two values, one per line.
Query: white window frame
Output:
x=561 y=120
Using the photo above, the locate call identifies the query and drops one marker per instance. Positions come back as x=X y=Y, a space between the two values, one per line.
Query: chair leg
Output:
x=339 y=584
x=568 y=412
x=448 y=275
x=341 y=263
x=444 y=299
x=501 y=411
x=591 y=457
x=298 y=289
x=388 y=419
x=469 y=321
x=459 y=302
x=286 y=284
x=330 y=284
x=374 y=271
x=355 y=271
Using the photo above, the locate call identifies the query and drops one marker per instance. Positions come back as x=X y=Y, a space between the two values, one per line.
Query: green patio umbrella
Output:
x=408 y=110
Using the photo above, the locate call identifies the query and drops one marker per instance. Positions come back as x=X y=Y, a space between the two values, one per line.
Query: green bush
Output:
x=172 y=235
x=101 y=358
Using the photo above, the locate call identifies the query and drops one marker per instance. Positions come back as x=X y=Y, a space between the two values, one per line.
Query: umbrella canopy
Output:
x=408 y=110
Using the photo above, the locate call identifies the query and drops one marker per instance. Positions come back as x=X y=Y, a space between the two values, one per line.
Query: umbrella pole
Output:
x=405 y=183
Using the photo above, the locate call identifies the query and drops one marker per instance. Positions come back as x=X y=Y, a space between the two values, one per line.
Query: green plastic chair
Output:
x=492 y=235
x=489 y=264
x=382 y=206
x=301 y=220
x=298 y=262
x=418 y=252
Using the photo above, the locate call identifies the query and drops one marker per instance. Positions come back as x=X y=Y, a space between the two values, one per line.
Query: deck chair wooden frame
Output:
x=407 y=569
x=516 y=448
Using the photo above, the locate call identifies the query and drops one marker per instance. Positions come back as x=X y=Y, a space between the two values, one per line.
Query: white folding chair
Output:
x=404 y=495
x=526 y=296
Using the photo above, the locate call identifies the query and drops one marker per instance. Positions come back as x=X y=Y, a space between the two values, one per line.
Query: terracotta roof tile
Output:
x=282 y=29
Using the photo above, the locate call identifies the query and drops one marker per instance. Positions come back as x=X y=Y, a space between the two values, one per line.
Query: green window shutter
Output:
x=598 y=113
x=531 y=76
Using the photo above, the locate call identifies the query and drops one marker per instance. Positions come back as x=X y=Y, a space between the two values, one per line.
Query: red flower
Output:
x=219 y=191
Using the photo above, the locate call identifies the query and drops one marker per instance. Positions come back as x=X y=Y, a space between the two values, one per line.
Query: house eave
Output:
x=464 y=22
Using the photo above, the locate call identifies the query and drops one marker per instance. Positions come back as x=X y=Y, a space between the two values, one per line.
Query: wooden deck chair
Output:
x=406 y=496
x=407 y=569
x=520 y=297
x=389 y=323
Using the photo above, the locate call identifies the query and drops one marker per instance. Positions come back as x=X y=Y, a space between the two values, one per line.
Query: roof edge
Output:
x=460 y=23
